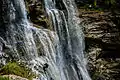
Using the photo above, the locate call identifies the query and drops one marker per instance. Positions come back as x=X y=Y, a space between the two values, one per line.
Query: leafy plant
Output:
x=4 y=78
x=110 y=2
x=95 y=3
x=17 y=69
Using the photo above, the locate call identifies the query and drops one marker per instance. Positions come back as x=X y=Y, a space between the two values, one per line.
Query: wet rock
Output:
x=36 y=13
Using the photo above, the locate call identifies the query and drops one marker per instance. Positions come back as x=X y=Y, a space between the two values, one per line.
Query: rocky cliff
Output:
x=53 y=55
x=102 y=36
x=102 y=39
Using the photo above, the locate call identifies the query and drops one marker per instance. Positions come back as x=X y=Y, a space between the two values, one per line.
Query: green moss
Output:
x=17 y=69
x=4 y=78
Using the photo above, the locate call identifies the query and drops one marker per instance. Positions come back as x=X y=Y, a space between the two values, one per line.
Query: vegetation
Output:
x=95 y=3
x=110 y=2
x=4 y=78
x=17 y=69
x=99 y=4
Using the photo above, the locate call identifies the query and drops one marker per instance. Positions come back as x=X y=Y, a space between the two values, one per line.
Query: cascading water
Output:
x=66 y=24
x=61 y=49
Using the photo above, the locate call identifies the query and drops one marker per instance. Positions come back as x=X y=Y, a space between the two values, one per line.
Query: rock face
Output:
x=54 y=55
x=102 y=36
x=36 y=13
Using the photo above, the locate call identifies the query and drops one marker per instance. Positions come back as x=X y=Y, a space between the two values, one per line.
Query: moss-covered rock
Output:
x=18 y=69
x=4 y=78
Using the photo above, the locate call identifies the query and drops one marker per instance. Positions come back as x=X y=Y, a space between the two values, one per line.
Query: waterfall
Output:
x=61 y=49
